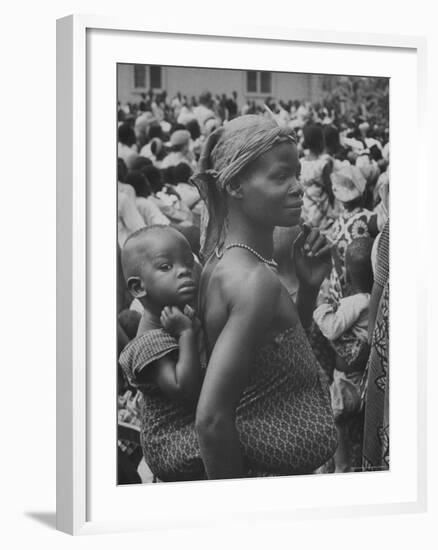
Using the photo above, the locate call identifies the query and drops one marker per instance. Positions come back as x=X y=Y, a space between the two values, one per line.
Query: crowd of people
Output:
x=253 y=292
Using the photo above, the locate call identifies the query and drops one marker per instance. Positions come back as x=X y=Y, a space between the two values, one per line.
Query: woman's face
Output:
x=271 y=194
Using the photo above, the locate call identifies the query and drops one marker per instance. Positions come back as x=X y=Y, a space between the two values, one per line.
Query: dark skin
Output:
x=244 y=305
x=162 y=274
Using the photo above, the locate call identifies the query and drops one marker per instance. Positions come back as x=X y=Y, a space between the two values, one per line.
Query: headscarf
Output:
x=226 y=153
x=348 y=183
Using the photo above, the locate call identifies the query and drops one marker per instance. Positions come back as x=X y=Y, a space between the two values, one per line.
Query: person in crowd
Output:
x=128 y=216
x=188 y=192
x=333 y=147
x=140 y=163
x=163 y=360
x=143 y=124
x=315 y=179
x=347 y=324
x=203 y=111
x=127 y=144
x=231 y=106
x=353 y=222
x=155 y=144
x=370 y=171
x=262 y=389
x=165 y=196
x=196 y=138
x=147 y=208
x=180 y=150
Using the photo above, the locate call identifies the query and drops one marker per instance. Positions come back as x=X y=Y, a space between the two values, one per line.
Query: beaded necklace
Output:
x=270 y=262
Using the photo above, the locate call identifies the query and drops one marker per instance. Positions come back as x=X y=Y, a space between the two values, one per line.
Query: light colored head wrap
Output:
x=226 y=153
x=348 y=183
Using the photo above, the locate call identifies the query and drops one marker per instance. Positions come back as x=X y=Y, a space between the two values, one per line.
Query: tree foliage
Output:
x=358 y=96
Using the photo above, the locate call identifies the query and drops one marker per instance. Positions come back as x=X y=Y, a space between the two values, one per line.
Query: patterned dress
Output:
x=349 y=226
x=376 y=429
x=316 y=205
x=284 y=418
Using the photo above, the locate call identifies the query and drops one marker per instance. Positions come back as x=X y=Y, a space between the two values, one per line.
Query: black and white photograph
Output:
x=252 y=273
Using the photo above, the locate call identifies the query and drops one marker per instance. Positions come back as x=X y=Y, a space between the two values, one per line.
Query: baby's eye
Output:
x=164 y=267
x=281 y=175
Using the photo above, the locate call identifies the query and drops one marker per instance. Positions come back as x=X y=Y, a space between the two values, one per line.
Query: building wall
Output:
x=125 y=84
x=291 y=86
x=193 y=81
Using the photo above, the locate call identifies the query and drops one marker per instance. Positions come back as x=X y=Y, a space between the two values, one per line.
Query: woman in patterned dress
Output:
x=263 y=408
x=315 y=180
x=353 y=223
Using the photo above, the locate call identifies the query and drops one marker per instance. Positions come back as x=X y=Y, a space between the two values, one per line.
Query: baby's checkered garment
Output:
x=144 y=350
x=168 y=437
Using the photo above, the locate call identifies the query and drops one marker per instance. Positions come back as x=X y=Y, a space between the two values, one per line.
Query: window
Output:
x=155 y=76
x=251 y=81
x=258 y=82
x=139 y=76
x=265 y=82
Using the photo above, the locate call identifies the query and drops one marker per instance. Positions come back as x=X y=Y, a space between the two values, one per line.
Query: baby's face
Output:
x=168 y=269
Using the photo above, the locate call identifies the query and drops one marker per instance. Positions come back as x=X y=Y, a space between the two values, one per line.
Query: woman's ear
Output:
x=136 y=288
x=234 y=189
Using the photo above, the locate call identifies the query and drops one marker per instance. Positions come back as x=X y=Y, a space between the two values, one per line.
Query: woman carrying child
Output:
x=263 y=409
x=354 y=222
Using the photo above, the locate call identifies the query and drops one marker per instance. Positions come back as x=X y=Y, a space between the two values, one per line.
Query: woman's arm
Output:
x=306 y=302
x=252 y=302
x=312 y=259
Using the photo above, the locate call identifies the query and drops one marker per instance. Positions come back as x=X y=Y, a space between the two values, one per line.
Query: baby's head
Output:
x=358 y=264
x=159 y=267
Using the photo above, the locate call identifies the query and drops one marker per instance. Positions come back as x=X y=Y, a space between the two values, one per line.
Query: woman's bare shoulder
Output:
x=245 y=280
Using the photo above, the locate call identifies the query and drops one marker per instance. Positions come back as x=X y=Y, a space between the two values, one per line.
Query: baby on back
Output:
x=163 y=361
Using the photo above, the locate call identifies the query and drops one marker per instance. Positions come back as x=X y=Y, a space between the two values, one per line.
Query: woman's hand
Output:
x=190 y=313
x=312 y=257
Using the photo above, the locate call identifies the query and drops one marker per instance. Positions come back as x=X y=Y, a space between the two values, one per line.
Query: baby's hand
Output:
x=174 y=320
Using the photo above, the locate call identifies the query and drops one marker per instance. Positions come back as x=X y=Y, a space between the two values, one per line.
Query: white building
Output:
x=133 y=80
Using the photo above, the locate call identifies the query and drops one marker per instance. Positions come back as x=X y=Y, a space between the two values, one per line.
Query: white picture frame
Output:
x=85 y=426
